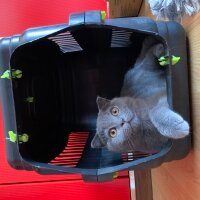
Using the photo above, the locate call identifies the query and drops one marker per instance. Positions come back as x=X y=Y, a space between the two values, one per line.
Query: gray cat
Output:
x=139 y=120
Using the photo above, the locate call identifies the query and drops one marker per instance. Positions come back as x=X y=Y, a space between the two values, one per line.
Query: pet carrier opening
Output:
x=63 y=74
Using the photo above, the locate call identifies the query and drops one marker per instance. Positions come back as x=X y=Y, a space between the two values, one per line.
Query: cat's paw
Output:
x=178 y=127
x=181 y=129
x=169 y=123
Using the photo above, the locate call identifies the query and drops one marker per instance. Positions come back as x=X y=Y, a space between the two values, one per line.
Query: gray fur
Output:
x=174 y=9
x=145 y=121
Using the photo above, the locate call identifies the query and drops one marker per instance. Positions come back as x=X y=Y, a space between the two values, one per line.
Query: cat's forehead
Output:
x=118 y=102
x=103 y=118
x=106 y=120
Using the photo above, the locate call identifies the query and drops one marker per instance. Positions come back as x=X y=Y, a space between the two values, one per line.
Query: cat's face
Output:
x=116 y=123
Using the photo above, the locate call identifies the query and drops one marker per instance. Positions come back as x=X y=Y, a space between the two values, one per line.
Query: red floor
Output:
x=15 y=17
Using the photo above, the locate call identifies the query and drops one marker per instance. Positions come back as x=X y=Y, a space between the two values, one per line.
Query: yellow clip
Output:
x=103 y=15
x=16 y=73
x=115 y=174
x=165 y=60
x=23 y=138
x=29 y=99
x=6 y=74
x=13 y=137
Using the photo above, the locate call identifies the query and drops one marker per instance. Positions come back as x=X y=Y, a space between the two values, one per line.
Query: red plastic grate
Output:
x=73 y=151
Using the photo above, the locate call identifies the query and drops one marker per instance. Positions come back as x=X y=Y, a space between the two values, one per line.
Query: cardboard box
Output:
x=124 y=8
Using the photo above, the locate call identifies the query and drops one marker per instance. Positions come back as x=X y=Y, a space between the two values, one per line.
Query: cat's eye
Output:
x=115 y=111
x=112 y=132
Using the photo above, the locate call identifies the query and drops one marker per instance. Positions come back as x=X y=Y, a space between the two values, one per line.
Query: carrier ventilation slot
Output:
x=66 y=42
x=120 y=38
x=73 y=152
x=127 y=157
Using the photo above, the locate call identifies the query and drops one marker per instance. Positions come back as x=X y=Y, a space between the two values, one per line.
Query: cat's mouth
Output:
x=134 y=123
x=127 y=119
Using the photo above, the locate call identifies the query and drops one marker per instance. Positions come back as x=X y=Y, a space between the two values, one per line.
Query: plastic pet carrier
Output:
x=50 y=78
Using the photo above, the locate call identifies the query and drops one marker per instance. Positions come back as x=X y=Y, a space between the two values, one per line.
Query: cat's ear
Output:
x=96 y=142
x=102 y=102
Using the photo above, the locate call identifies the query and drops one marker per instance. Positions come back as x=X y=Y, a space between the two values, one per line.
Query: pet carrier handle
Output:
x=91 y=17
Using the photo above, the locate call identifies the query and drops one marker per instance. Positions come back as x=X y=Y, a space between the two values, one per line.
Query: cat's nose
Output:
x=123 y=122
